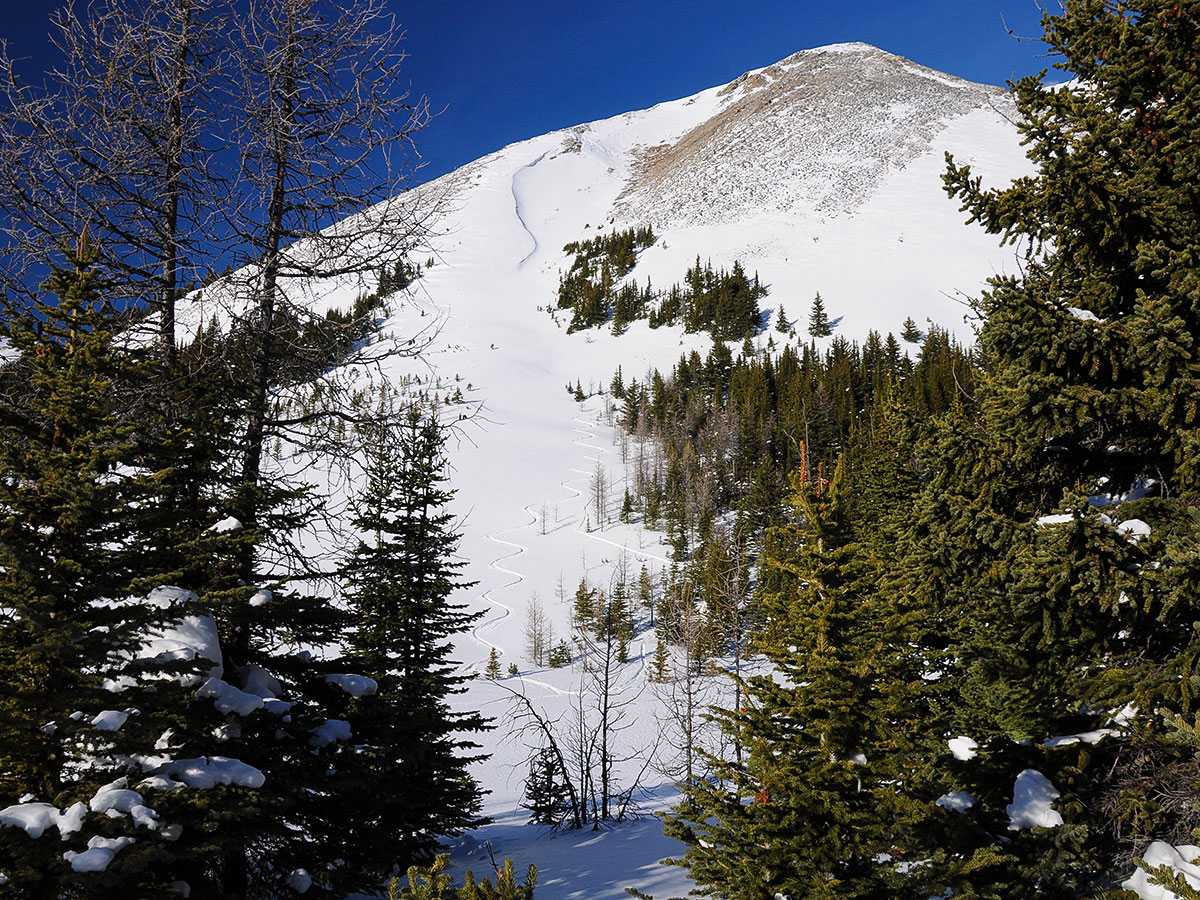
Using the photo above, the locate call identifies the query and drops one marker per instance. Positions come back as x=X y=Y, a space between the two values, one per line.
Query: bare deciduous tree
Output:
x=599 y=492
x=539 y=632
x=118 y=143
x=687 y=694
x=325 y=116
x=598 y=772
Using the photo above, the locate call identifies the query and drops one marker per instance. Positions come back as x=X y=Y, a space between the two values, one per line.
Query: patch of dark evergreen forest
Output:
x=722 y=302
x=728 y=434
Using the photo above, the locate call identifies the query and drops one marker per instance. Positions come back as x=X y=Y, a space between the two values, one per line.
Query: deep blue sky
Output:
x=504 y=70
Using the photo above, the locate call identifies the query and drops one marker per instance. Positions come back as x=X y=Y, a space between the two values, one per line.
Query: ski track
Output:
x=488 y=595
x=587 y=434
x=517 y=209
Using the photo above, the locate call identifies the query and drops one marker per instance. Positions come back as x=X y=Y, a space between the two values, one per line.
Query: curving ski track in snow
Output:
x=517 y=208
x=587 y=434
x=488 y=595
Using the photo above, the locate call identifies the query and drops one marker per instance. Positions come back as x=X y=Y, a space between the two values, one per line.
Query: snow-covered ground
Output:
x=526 y=454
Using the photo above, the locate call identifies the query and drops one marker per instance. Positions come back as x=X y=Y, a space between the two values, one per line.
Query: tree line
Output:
x=719 y=433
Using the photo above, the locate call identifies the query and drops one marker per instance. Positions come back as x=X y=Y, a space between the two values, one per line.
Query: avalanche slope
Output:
x=887 y=244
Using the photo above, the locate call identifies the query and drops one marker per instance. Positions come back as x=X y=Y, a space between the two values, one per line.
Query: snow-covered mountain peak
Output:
x=814 y=134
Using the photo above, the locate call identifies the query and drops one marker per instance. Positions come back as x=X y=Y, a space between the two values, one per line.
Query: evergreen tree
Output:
x=660 y=668
x=646 y=594
x=626 y=515
x=1087 y=415
x=617 y=387
x=406 y=772
x=584 y=611
x=433 y=883
x=818 y=320
x=561 y=655
x=387 y=285
x=809 y=808
x=546 y=796
x=87 y=706
x=782 y=325
x=909 y=331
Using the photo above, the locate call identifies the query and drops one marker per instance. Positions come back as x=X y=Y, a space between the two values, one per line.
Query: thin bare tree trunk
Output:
x=115 y=146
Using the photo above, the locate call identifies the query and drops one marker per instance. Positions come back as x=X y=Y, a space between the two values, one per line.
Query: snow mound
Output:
x=99 y=854
x=963 y=748
x=35 y=818
x=1084 y=737
x=1134 y=529
x=109 y=720
x=116 y=799
x=1033 y=795
x=329 y=731
x=299 y=880
x=355 y=685
x=229 y=699
x=959 y=801
x=1180 y=860
x=192 y=637
x=203 y=773
x=1056 y=519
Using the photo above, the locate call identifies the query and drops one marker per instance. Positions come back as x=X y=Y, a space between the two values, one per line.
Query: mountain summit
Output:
x=814 y=133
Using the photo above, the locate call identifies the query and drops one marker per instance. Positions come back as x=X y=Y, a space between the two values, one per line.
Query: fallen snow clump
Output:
x=1033 y=795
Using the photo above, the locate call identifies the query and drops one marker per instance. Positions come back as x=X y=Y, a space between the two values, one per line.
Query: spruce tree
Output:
x=1058 y=541
x=584 y=611
x=818 y=320
x=809 y=808
x=87 y=702
x=560 y=655
x=546 y=796
x=406 y=773
x=660 y=667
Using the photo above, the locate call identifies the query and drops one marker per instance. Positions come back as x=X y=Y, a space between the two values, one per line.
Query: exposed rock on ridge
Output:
x=812 y=134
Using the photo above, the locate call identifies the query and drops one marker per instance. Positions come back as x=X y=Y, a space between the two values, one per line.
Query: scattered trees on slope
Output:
x=726 y=430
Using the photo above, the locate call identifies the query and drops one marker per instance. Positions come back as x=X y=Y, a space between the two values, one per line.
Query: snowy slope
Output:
x=821 y=173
